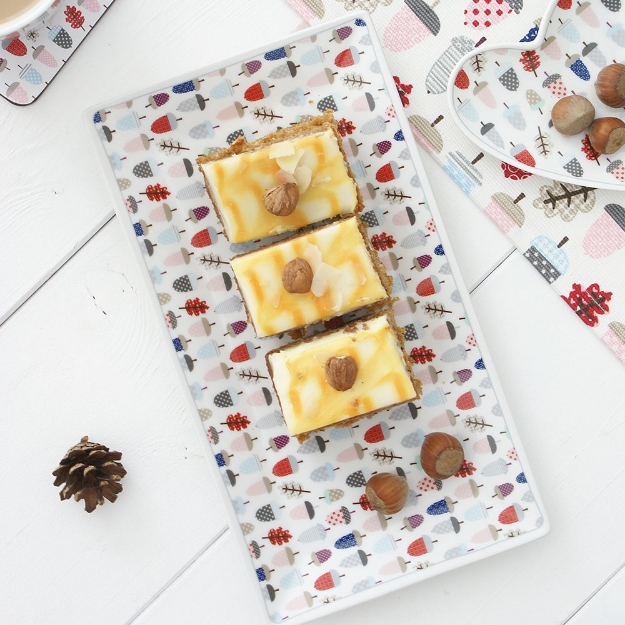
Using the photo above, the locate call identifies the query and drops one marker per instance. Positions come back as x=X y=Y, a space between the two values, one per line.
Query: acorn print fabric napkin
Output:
x=575 y=239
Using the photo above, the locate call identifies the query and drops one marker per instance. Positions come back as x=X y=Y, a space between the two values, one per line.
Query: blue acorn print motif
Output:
x=297 y=97
x=146 y=169
x=285 y=70
x=414 y=439
x=364 y=584
x=223 y=89
x=407 y=411
x=196 y=103
x=359 y=478
x=129 y=122
x=272 y=420
x=278 y=53
x=324 y=473
x=456 y=552
x=263 y=573
x=30 y=74
x=467 y=110
x=313 y=445
x=443 y=506
x=454 y=354
x=399 y=136
x=187 y=86
x=209 y=350
x=291 y=580
x=384 y=545
x=479 y=364
x=476 y=512
x=568 y=30
x=192 y=191
x=197 y=391
x=416 y=239
x=97 y=117
x=520 y=478
x=507 y=76
x=439 y=251
x=222 y=460
x=488 y=131
x=360 y=558
x=576 y=65
x=514 y=116
x=435 y=397
x=531 y=34
x=313 y=56
x=312 y=534
x=498 y=467
x=180 y=344
x=250 y=465
x=230 y=305
x=60 y=37
x=353 y=539
x=447 y=527
x=205 y=130
x=591 y=51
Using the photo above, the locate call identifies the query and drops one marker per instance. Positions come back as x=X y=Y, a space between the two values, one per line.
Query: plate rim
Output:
x=405 y=580
x=517 y=45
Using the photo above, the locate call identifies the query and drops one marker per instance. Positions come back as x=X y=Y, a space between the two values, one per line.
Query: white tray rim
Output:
x=233 y=521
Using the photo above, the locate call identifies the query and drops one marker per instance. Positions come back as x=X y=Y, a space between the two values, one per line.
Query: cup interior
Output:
x=32 y=17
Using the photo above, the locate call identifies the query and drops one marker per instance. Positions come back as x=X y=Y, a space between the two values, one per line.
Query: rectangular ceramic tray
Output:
x=310 y=544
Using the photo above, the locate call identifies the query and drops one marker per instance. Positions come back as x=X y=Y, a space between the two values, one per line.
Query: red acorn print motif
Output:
x=421 y=546
x=462 y=80
x=514 y=173
x=363 y=502
x=165 y=123
x=378 y=433
x=257 y=91
x=429 y=286
x=348 y=57
x=554 y=84
x=286 y=466
x=328 y=580
x=388 y=172
x=469 y=400
x=243 y=352
x=511 y=514
x=204 y=237
x=521 y=154
x=14 y=46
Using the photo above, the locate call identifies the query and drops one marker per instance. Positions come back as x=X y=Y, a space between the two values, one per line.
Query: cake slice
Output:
x=338 y=377
x=311 y=277
x=289 y=179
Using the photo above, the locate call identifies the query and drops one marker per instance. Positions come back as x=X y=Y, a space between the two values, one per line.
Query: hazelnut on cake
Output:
x=338 y=377
x=311 y=277
x=289 y=179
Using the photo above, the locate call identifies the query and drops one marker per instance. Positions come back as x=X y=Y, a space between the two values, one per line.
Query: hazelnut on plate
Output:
x=572 y=115
x=387 y=492
x=441 y=455
x=607 y=134
x=610 y=85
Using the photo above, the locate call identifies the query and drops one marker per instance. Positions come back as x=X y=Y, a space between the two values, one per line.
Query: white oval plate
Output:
x=501 y=98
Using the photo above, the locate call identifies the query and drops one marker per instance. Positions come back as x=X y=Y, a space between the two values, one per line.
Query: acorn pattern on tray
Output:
x=31 y=57
x=311 y=534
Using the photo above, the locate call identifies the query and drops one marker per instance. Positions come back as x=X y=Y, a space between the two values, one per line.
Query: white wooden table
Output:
x=69 y=366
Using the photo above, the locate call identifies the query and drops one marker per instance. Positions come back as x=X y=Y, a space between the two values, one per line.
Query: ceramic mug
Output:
x=31 y=15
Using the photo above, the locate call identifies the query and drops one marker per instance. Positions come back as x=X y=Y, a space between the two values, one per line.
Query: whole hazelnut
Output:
x=607 y=134
x=572 y=115
x=297 y=276
x=341 y=372
x=610 y=85
x=387 y=492
x=441 y=455
x=282 y=199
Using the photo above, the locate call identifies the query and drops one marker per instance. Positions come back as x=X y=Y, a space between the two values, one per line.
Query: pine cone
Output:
x=90 y=472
